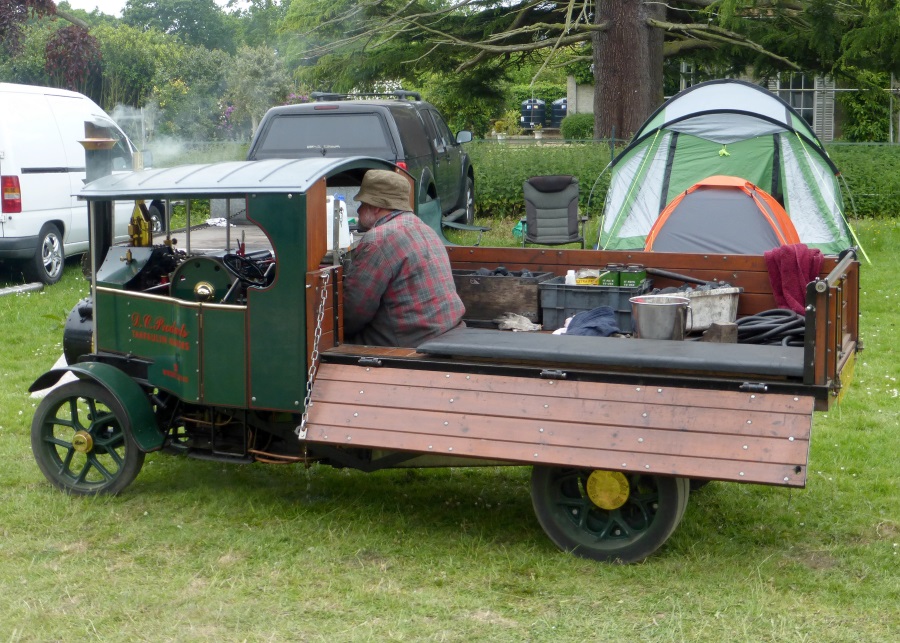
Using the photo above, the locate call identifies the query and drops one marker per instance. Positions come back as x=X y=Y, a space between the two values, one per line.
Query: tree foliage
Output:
x=260 y=22
x=197 y=22
x=72 y=56
x=131 y=58
x=473 y=58
x=188 y=91
x=14 y=14
x=29 y=64
x=628 y=40
x=874 y=43
x=867 y=110
x=255 y=81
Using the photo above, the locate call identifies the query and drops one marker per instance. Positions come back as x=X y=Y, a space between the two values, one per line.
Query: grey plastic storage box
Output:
x=560 y=301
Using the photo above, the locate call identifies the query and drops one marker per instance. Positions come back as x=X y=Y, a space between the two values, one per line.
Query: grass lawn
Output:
x=201 y=551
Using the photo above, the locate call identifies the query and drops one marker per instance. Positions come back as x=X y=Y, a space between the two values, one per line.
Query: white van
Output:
x=42 y=168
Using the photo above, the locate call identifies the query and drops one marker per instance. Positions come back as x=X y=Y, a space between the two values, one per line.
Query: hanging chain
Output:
x=313 y=358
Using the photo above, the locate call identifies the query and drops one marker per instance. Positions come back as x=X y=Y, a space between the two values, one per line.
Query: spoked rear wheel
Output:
x=607 y=515
x=82 y=442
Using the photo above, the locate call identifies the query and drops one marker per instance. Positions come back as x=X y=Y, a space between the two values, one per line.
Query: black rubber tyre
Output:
x=468 y=201
x=49 y=258
x=685 y=495
x=650 y=513
x=82 y=442
x=157 y=218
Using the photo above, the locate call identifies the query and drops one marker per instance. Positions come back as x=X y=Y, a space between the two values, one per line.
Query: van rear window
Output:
x=300 y=135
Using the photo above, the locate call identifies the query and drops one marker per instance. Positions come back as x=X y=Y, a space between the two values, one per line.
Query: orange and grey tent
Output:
x=722 y=214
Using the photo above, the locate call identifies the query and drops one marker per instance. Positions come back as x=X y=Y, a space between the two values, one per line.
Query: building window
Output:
x=799 y=91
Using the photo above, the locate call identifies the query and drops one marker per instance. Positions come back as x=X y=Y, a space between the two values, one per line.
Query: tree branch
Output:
x=65 y=15
x=711 y=32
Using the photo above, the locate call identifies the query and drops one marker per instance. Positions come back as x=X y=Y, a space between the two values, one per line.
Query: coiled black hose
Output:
x=777 y=326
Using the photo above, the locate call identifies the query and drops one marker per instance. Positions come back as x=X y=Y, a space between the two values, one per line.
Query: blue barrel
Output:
x=558 y=111
x=534 y=111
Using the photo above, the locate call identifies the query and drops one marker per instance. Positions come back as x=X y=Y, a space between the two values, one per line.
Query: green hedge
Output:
x=871 y=171
x=577 y=127
x=502 y=168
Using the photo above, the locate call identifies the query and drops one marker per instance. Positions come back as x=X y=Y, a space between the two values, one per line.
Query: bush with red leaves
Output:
x=72 y=54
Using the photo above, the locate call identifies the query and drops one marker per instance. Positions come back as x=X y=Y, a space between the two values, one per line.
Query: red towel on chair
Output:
x=790 y=269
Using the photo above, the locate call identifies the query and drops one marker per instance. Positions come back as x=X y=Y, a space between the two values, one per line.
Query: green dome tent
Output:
x=724 y=127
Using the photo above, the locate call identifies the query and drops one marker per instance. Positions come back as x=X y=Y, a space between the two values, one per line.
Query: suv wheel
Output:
x=468 y=203
x=49 y=258
x=157 y=218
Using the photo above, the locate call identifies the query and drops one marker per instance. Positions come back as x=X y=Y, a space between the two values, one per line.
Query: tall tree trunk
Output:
x=655 y=40
x=627 y=68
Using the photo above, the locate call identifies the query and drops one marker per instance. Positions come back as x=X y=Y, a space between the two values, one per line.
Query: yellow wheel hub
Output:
x=608 y=489
x=83 y=442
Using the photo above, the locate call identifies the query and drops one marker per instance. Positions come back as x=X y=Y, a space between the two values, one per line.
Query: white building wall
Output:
x=579 y=98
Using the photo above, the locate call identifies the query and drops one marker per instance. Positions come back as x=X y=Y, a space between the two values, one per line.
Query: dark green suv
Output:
x=402 y=129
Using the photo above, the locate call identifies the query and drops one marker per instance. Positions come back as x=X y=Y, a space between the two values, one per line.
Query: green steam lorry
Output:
x=236 y=354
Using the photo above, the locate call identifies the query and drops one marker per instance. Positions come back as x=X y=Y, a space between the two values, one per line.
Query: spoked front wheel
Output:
x=610 y=516
x=82 y=441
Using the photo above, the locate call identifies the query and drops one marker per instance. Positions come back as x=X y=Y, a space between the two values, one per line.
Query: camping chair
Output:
x=551 y=211
x=430 y=213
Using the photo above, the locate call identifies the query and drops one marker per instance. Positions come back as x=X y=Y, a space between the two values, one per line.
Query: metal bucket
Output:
x=659 y=316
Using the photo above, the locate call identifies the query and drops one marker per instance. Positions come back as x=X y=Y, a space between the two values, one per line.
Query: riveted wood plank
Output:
x=693 y=467
x=692 y=398
x=760 y=438
x=614 y=437
x=527 y=405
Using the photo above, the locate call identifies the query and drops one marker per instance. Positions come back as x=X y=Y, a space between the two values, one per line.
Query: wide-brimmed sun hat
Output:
x=384 y=189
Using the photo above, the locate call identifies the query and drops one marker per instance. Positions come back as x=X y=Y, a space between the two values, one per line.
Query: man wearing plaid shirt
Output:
x=398 y=286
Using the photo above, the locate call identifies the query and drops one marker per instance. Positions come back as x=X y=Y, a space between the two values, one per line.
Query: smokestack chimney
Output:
x=98 y=145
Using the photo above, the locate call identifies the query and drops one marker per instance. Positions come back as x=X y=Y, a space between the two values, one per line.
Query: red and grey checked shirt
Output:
x=398 y=287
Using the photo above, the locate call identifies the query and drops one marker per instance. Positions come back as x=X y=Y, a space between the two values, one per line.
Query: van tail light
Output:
x=402 y=165
x=12 y=195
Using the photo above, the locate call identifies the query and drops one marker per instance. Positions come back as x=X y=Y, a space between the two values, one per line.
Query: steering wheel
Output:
x=245 y=269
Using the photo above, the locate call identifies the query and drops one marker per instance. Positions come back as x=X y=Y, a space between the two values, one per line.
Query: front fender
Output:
x=129 y=393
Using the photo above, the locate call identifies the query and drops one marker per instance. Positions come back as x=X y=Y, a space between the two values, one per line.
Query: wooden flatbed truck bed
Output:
x=748 y=405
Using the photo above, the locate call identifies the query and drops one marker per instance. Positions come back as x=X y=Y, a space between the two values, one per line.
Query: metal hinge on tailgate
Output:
x=552 y=374
x=754 y=387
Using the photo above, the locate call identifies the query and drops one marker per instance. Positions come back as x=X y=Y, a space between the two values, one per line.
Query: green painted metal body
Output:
x=225 y=354
x=251 y=356
x=163 y=330
x=116 y=271
x=276 y=328
x=223 y=362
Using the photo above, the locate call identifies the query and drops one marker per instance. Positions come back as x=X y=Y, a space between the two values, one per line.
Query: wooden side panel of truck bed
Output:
x=743 y=437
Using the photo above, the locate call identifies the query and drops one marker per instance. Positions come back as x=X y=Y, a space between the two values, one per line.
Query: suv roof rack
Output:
x=399 y=94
